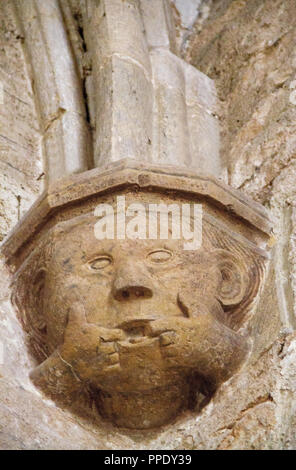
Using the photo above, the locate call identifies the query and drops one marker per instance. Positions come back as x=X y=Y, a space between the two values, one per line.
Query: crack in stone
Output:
x=59 y=113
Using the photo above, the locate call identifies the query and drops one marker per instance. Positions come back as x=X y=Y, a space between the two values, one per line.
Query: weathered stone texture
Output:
x=20 y=156
x=248 y=48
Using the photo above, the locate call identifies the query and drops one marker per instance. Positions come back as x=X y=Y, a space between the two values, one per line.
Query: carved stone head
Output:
x=141 y=327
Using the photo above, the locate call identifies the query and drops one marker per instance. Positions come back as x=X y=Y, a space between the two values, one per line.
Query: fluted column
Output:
x=145 y=102
x=57 y=87
x=150 y=105
x=122 y=86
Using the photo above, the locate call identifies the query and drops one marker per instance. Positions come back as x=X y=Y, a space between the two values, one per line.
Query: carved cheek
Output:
x=60 y=291
x=92 y=291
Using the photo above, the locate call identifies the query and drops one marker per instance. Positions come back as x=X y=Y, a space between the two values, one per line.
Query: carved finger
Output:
x=108 y=334
x=76 y=315
x=113 y=359
x=158 y=327
x=107 y=348
x=113 y=368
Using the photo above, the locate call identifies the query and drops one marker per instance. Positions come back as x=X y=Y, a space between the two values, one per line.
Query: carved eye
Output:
x=100 y=263
x=159 y=256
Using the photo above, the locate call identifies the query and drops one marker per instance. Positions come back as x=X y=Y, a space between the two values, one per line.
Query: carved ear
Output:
x=37 y=298
x=234 y=278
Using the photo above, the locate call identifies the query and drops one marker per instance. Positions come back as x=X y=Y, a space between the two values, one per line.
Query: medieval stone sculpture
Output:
x=137 y=328
x=136 y=322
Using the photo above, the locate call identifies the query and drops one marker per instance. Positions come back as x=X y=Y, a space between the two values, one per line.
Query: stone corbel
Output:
x=129 y=324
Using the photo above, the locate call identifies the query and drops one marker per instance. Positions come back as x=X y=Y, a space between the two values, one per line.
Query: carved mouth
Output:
x=136 y=330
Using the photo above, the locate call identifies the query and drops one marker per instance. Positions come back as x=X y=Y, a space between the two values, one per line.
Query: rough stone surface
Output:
x=20 y=139
x=247 y=48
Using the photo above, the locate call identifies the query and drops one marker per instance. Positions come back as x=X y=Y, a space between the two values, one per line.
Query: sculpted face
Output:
x=141 y=292
x=137 y=322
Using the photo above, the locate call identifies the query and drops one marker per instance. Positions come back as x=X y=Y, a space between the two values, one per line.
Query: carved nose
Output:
x=132 y=283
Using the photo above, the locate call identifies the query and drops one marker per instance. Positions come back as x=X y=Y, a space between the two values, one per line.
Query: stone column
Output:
x=148 y=104
x=57 y=88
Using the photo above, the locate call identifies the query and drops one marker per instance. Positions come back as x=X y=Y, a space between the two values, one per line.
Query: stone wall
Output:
x=247 y=47
x=20 y=138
